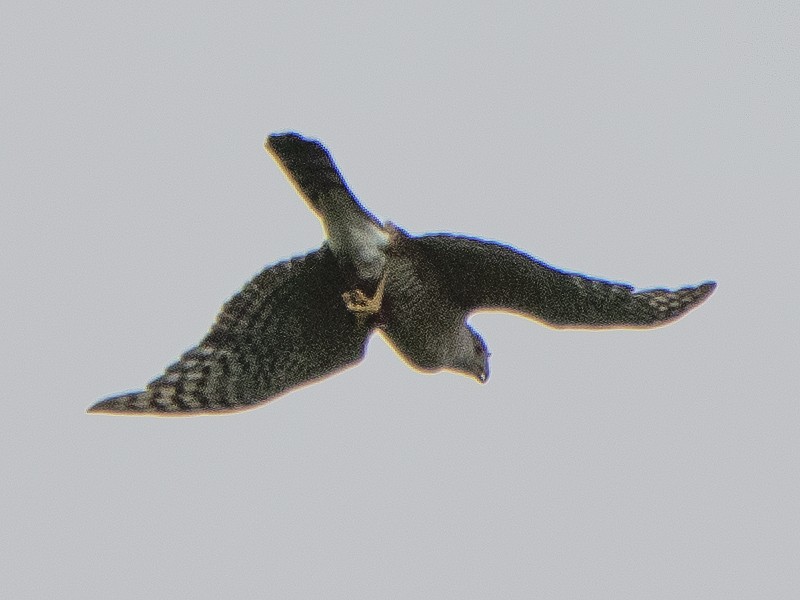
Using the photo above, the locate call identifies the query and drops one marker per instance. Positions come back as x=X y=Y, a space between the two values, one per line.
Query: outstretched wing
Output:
x=287 y=327
x=488 y=275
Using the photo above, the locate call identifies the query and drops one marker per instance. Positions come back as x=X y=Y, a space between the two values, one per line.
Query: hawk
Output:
x=306 y=318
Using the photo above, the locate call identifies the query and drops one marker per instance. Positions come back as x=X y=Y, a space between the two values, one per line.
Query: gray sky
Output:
x=653 y=144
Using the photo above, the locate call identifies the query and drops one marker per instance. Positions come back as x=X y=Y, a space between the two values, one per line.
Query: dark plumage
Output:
x=306 y=318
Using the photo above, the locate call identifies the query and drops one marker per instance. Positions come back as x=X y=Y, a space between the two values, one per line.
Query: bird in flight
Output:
x=306 y=318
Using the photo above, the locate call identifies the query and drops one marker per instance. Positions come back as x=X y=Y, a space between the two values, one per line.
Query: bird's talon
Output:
x=358 y=302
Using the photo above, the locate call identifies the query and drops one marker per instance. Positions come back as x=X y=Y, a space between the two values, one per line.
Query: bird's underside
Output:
x=304 y=319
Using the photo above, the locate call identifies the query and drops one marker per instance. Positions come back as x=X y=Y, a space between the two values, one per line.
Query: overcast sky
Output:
x=653 y=144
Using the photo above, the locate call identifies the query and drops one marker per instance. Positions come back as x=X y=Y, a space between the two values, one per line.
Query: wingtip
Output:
x=100 y=408
x=707 y=288
x=116 y=405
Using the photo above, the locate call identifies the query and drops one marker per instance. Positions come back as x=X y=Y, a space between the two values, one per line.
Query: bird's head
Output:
x=470 y=355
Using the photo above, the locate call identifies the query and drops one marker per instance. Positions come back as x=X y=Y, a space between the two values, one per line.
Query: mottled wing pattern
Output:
x=287 y=327
x=489 y=275
x=309 y=166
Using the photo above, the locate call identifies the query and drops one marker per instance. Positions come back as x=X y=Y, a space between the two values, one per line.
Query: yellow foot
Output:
x=362 y=305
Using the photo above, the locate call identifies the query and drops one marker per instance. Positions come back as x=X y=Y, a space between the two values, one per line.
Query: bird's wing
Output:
x=489 y=275
x=287 y=327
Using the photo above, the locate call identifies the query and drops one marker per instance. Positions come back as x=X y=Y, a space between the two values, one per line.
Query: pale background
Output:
x=656 y=143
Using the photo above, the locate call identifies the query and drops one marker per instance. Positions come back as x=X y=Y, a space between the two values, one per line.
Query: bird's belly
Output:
x=417 y=317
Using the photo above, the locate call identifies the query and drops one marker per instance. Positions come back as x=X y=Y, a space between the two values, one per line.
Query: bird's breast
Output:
x=417 y=314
